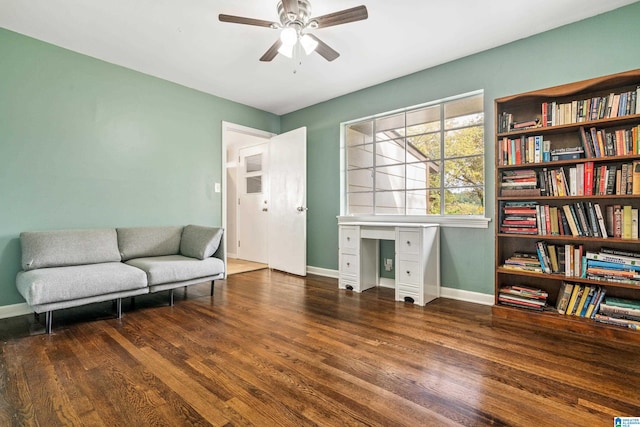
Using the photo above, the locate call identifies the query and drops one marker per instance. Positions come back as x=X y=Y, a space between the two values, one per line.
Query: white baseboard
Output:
x=469 y=296
x=14 y=310
x=387 y=283
x=453 y=293
x=323 y=272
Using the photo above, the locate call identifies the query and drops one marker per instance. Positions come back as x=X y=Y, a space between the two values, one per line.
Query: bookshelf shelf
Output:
x=579 y=325
x=559 y=277
x=570 y=182
x=553 y=164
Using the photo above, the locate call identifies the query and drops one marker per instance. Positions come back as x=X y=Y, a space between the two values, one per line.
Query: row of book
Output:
x=506 y=123
x=602 y=143
x=573 y=261
x=620 y=312
x=523 y=297
x=557 y=113
x=578 y=219
x=582 y=179
x=610 y=265
x=567 y=260
x=594 y=108
x=594 y=143
x=579 y=300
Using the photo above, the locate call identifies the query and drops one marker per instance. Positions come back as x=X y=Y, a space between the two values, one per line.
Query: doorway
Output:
x=264 y=197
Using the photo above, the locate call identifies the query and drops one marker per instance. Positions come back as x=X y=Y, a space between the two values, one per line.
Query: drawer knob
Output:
x=348 y=264
x=408 y=242
x=348 y=239
x=408 y=273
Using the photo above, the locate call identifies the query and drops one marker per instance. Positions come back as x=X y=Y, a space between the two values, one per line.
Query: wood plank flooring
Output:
x=270 y=349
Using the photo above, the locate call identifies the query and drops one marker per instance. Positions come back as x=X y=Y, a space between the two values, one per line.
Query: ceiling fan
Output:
x=295 y=21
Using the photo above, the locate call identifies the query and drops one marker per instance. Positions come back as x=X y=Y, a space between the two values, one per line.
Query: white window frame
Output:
x=461 y=221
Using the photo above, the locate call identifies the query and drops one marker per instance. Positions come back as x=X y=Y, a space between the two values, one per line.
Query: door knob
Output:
x=302 y=209
x=264 y=209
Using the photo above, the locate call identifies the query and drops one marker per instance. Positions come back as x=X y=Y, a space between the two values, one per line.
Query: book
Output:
x=553 y=258
x=626 y=222
x=572 y=300
x=571 y=220
x=581 y=302
x=563 y=297
x=623 y=302
x=601 y=224
x=592 y=302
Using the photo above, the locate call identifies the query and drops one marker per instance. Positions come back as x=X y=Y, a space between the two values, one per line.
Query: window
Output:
x=425 y=160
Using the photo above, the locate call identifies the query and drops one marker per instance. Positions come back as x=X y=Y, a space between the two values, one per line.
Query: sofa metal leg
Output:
x=171 y=297
x=49 y=321
x=212 y=283
x=119 y=307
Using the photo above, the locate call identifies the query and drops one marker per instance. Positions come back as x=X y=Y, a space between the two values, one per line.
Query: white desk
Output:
x=417 y=258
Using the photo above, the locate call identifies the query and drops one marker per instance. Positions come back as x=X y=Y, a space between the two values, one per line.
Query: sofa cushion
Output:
x=47 y=285
x=68 y=247
x=177 y=268
x=140 y=242
x=200 y=242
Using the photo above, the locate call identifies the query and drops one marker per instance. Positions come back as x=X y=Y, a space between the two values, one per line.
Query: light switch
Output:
x=217 y=187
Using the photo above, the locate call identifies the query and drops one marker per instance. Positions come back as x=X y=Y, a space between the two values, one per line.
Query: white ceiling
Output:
x=182 y=40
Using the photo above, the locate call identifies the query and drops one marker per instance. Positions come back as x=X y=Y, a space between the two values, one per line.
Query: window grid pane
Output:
x=404 y=164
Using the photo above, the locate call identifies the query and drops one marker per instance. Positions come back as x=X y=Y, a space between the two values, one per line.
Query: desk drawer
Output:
x=349 y=239
x=408 y=297
x=349 y=265
x=408 y=272
x=348 y=283
x=408 y=241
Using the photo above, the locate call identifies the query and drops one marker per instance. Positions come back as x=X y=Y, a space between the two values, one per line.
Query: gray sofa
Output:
x=68 y=268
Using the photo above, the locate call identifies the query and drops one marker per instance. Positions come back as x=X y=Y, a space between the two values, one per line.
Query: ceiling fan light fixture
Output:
x=309 y=44
x=286 y=50
x=289 y=37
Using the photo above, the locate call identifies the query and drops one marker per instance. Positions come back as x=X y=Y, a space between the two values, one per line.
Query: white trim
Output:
x=469 y=296
x=15 y=310
x=325 y=272
x=387 y=283
x=452 y=293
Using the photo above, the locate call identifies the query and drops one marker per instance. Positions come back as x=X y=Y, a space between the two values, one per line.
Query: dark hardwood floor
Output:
x=270 y=349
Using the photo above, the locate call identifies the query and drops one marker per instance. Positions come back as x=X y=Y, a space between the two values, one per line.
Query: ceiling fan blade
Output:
x=324 y=50
x=290 y=7
x=357 y=13
x=271 y=52
x=247 y=21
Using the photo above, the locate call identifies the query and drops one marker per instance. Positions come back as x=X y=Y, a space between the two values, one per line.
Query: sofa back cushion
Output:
x=141 y=242
x=200 y=242
x=62 y=248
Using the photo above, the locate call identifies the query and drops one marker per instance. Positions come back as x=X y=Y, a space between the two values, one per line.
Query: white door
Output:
x=253 y=203
x=288 y=203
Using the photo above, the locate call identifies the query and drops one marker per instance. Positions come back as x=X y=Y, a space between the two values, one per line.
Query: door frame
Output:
x=228 y=131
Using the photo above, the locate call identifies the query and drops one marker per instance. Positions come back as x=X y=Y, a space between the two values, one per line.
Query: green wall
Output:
x=84 y=143
x=600 y=45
